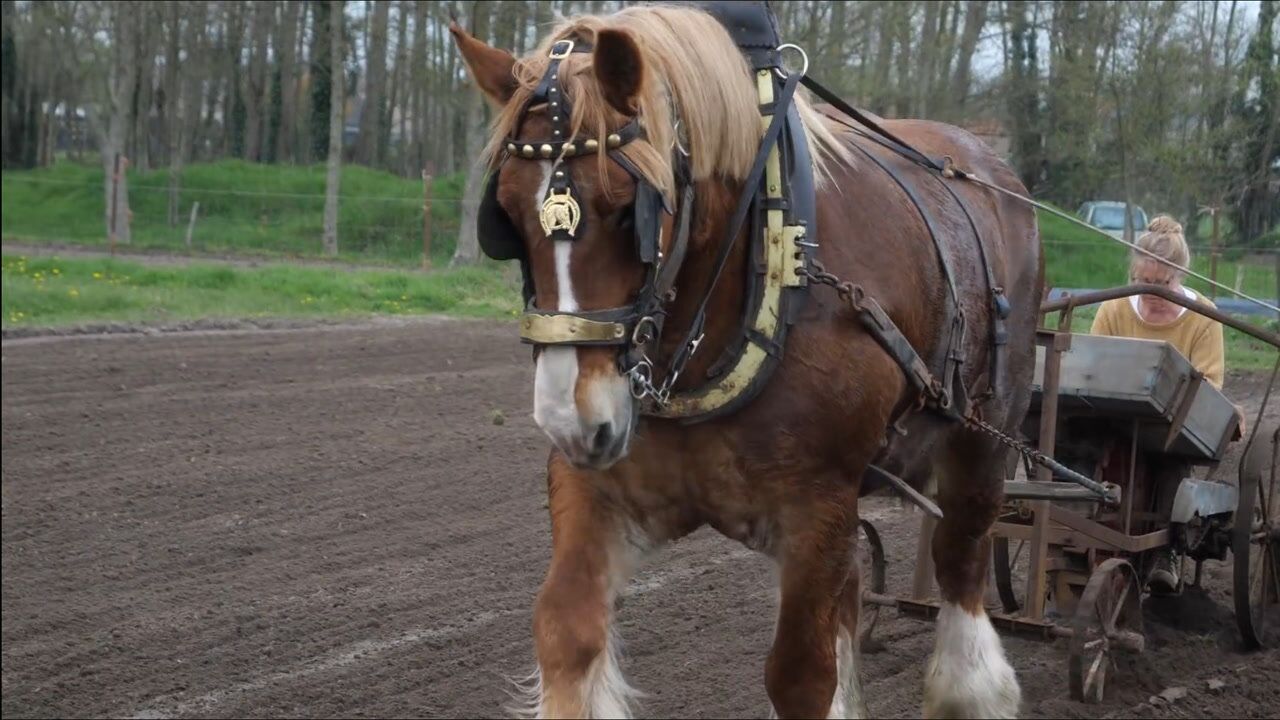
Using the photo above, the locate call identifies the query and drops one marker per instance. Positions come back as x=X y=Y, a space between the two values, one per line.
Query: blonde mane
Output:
x=695 y=73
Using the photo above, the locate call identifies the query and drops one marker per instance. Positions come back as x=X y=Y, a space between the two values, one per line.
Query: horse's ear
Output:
x=619 y=69
x=491 y=67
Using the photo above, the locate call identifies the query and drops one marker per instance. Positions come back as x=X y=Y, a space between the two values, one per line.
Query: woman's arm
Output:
x=1102 y=322
x=1207 y=353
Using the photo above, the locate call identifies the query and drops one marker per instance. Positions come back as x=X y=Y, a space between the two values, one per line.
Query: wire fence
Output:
x=385 y=228
x=372 y=226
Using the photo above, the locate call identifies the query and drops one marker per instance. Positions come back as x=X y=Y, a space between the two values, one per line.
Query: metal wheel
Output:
x=1255 y=540
x=1108 y=618
x=1002 y=564
x=872 y=566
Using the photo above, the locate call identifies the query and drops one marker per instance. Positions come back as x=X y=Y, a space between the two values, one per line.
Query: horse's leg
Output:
x=848 y=702
x=968 y=675
x=811 y=671
x=592 y=560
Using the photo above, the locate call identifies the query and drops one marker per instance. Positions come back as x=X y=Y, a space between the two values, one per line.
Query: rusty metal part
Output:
x=1127 y=640
x=903 y=487
x=1092 y=298
x=1111 y=608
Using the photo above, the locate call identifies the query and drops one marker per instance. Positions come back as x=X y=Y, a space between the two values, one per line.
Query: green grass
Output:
x=50 y=291
x=277 y=211
x=245 y=208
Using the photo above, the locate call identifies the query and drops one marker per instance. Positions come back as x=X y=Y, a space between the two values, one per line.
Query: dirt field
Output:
x=350 y=521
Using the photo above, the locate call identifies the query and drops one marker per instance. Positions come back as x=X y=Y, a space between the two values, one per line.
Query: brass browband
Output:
x=569 y=148
x=563 y=329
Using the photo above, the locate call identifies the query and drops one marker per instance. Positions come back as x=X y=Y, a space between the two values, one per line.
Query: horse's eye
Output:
x=627 y=219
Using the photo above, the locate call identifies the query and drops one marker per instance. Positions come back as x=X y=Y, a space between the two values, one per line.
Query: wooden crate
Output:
x=1147 y=380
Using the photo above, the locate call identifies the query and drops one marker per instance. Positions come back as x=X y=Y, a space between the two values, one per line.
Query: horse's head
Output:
x=588 y=187
x=577 y=193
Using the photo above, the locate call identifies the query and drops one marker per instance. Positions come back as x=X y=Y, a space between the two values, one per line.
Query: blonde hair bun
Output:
x=1164 y=239
x=1164 y=225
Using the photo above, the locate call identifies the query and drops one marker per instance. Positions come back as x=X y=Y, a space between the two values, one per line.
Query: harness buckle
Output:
x=642 y=336
x=557 y=53
x=694 y=343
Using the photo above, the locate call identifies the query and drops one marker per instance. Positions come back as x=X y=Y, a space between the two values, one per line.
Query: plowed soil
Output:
x=350 y=521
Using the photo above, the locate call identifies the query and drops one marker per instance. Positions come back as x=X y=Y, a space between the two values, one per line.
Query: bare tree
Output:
x=468 y=247
x=287 y=52
x=396 y=105
x=368 y=150
x=139 y=142
x=333 y=174
x=117 y=103
x=171 y=113
x=187 y=112
x=975 y=18
x=256 y=88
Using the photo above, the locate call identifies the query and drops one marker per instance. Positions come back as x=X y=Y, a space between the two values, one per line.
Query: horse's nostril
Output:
x=602 y=439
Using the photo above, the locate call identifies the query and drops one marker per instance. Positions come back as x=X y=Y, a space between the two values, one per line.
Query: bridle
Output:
x=634 y=329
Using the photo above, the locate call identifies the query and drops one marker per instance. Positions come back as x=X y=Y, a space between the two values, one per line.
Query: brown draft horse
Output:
x=782 y=476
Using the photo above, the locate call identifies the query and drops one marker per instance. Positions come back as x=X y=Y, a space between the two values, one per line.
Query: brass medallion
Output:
x=560 y=212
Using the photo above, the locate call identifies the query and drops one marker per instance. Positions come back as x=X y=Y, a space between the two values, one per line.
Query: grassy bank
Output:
x=278 y=210
x=52 y=292
x=245 y=208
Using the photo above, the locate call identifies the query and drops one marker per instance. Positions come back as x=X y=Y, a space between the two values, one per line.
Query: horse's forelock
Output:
x=696 y=74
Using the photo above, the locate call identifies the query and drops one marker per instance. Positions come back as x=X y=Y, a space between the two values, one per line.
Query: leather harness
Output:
x=778 y=207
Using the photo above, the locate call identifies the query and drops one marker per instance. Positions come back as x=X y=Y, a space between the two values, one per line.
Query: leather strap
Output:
x=691 y=340
x=896 y=144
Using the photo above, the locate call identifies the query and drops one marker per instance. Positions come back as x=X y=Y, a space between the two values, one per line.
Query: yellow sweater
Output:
x=1194 y=335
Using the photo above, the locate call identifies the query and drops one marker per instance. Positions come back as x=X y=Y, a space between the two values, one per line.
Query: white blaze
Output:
x=556 y=374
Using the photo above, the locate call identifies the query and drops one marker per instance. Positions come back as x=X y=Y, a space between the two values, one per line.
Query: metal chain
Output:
x=847 y=291
x=1021 y=447
x=853 y=294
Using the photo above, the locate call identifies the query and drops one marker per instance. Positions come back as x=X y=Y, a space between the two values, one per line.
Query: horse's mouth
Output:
x=602 y=455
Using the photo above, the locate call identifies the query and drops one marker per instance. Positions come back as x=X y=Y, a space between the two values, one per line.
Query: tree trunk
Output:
x=886 y=30
x=188 y=111
x=975 y=18
x=927 y=53
x=368 y=150
x=333 y=175
x=173 y=112
x=902 y=92
x=233 y=111
x=300 y=144
x=419 y=79
x=395 y=111
x=144 y=93
x=468 y=248
x=1023 y=95
x=119 y=104
x=286 y=46
x=255 y=82
x=321 y=77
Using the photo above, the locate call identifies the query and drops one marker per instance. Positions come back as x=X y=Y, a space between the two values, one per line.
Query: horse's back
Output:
x=894 y=209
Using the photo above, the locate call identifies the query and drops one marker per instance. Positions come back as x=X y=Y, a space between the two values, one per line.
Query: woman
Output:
x=1154 y=318
x=1194 y=335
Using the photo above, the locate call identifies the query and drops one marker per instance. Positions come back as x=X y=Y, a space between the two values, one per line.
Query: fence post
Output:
x=1213 y=255
x=191 y=225
x=426 y=220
